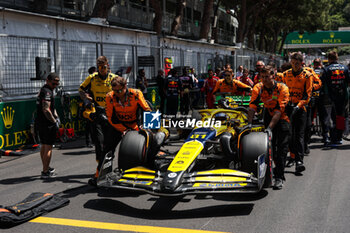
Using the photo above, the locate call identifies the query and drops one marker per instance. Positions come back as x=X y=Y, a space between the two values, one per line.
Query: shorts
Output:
x=47 y=134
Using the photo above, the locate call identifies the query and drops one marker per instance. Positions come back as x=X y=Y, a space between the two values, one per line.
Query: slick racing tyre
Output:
x=132 y=151
x=253 y=145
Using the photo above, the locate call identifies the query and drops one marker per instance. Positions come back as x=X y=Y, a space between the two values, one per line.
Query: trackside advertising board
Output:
x=17 y=116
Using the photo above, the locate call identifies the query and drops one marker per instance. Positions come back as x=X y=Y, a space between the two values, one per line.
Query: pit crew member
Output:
x=94 y=90
x=275 y=96
x=299 y=82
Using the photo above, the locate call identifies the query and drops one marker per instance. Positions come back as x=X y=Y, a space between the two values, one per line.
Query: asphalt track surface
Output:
x=317 y=201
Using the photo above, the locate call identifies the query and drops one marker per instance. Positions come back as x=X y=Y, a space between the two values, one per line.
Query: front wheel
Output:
x=252 y=146
x=132 y=151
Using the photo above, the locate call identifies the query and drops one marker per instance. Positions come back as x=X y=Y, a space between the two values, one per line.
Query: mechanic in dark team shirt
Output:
x=336 y=80
x=275 y=96
x=47 y=123
x=186 y=86
x=172 y=90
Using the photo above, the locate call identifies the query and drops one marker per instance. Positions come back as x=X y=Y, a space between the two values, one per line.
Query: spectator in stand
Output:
x=245 y=79
x=208 y=87
x=239 y=72
x=161 y=90
x=141 y=82
x=259 y=65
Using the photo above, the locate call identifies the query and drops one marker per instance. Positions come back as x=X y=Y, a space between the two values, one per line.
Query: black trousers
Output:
x=97 y=134
x=162 y=104
x=311 y=109
x=324 y=112
x=172 y=105
x=339 y=108
x=280 y=144
x=298 y=123
x=106 y=138
x=185 y=104
x=112 y=138
x=88 y=136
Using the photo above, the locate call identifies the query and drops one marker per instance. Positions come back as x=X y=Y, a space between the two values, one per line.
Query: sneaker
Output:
x=93 y=181
x=290 y=162
x=278 y=184
x=299 y=167
x=47 y=175
x=340 y=142
x=307 y=150
x=52 y=170
x=326 y=141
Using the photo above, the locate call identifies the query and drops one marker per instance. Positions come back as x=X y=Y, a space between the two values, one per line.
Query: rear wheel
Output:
x=132 y=151
x=253 y=145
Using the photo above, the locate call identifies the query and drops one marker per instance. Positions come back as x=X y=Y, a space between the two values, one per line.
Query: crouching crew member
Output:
x=275 y=96
x=122 y=109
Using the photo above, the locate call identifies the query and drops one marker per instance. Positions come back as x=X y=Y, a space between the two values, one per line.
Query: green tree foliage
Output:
x=264 y=24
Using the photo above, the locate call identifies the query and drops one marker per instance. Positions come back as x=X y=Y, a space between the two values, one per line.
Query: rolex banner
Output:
x=16 y=119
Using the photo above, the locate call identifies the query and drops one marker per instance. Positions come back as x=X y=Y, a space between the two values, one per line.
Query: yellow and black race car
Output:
x=222 y=158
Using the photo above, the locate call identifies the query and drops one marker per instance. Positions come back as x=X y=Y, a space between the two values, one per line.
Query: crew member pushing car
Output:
x=122 y=105
x=275 y=96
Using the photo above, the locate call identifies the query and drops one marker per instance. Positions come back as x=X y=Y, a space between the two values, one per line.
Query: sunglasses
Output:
x=227 y=75
x=56 y=83
x=102 y=67
x=119 y=91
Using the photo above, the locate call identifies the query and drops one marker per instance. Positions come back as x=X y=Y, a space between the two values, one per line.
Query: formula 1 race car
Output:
x=230 y=158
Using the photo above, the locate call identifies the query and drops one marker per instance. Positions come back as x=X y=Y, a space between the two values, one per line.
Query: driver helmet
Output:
x=223 y=117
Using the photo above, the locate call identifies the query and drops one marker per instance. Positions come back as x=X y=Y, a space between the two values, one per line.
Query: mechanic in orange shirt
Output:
x=122 y=105
x=299 y=82
x=275 y=96
x=228 y=84
x=316 y=86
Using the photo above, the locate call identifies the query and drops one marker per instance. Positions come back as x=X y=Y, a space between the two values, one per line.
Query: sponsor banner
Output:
x=17 y=117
